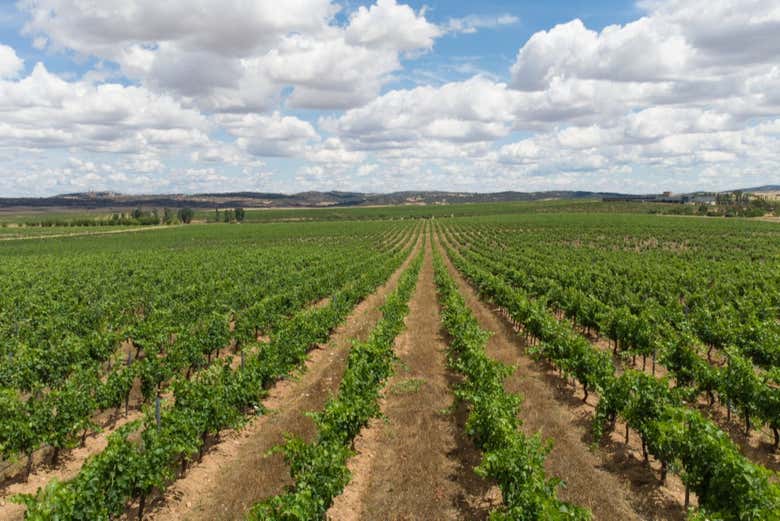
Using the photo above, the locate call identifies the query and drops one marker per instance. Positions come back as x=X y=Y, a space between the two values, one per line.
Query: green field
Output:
x=161 y=341
x=444 y=210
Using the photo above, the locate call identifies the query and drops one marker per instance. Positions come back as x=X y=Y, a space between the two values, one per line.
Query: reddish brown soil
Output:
x=610 y=480
x=416 y=463
x=239 y=472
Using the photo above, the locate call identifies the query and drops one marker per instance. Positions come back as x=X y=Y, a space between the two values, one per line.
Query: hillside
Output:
x=312 y=199
x=95 y=200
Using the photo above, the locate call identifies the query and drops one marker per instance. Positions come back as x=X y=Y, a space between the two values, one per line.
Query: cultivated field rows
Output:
x=427 y=369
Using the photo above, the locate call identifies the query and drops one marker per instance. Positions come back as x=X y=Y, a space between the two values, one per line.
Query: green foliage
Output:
x=185 y=215
x=207 y=397
x=319 y=469
x=513 y=460
x=728 y=485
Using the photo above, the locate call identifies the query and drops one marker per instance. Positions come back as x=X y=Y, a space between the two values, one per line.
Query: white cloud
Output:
x=236 y=56
x=724 y=32
x=471 y=24
x=42 y=110
x=227 y=27
x=10 y=64
x=227 y=153
x=639 y=51
x=332 y=151
x=474 y=110
x=329 y=73
x=389 y=25
x=188 y=96
x=274 y=135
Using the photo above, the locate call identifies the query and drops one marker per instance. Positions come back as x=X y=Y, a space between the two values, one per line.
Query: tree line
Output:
x=137 y=217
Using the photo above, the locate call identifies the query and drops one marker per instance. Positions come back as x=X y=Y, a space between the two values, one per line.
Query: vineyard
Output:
x=505 y=362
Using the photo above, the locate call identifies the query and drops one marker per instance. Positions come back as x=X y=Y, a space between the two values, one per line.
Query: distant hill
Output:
x=112 y=200
x=107 y=200
x=765 y=188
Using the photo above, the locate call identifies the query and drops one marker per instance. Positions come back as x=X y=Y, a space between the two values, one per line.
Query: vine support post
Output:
x=28 y=467
x=157 y=417
x=55 y=456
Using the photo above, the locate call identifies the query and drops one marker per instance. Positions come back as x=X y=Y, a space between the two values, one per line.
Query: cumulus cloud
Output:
x=42 y=110
x=330 y=73
x=228 y=27
x=10 y=63
x=680 y=52
x=474 y=110
x=390 y=25
x=332 y=151
x=274 y=135
x=687 y=95
x=237 y=56
x=723 y=32
x=639 y=51
x=649 y=94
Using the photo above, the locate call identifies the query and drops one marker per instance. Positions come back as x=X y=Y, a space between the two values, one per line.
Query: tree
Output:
x=240 y=214
x=185 y=215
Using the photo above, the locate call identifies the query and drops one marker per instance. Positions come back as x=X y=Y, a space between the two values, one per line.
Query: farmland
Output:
x=547 y=360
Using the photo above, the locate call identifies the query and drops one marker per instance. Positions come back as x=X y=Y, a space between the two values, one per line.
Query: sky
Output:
x=193 y=96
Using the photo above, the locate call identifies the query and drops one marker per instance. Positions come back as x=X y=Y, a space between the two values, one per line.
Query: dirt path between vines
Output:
x=72 y=460
x=86 y=234
x=416 y=463
x=68 y=467
x=758 y=446
x=609 y=481
x=238 y=472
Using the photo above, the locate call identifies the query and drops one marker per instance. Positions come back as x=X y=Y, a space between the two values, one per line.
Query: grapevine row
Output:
x=319 y=469
x=138 y=461
x=513 y=460
x=754 y=392
x=728 y=486
x=56 y=418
